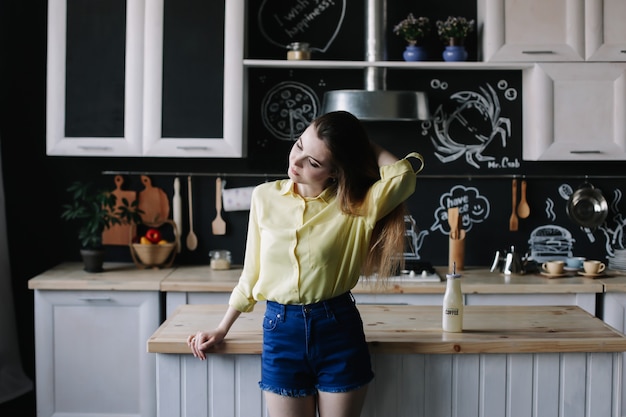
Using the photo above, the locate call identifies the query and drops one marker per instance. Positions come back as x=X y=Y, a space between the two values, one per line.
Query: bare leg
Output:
x=282 y=406
x=342 y=404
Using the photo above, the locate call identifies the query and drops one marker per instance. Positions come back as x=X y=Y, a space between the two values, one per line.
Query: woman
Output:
x=338 y=216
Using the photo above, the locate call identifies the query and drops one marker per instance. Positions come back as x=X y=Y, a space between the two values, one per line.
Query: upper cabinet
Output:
x=574 y=111
x=145 y=78
x=553 y=30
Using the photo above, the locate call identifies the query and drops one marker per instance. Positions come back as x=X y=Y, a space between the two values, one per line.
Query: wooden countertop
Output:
x=475 y=280
x=201 y=278
x=417 y=329
x=116 y=277
x=614 y=284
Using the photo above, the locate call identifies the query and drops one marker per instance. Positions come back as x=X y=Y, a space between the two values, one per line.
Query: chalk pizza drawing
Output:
x=454 y=136
x=288 y=108
x=294 y=21
x=473 y=208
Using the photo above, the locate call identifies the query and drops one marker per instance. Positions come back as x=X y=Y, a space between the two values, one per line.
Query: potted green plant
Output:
x=454 y=29
x=413 y=30
x=95 y=210
x=453 y=32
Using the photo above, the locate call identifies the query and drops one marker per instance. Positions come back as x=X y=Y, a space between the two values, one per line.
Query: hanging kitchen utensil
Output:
x=587 y=207
x=153 y=202
x=218 y=225
x=177 y=211
x=192 y=239
x=523 y=209
x=117 y=234
x=513 y=220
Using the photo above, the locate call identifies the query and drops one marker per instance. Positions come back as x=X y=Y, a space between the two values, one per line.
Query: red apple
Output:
x=153 y=235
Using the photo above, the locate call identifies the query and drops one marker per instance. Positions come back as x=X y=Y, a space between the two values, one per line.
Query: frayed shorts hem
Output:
x=295 y=393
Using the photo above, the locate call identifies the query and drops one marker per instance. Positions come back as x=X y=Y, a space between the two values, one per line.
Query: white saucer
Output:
x=547 y=274
x=584 y=274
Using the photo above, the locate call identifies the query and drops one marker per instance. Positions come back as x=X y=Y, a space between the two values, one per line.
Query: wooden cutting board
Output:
x=154 y=203
x=119 y=234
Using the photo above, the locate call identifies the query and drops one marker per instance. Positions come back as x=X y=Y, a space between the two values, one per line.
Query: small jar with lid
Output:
x=220 y=259
x=298 y=51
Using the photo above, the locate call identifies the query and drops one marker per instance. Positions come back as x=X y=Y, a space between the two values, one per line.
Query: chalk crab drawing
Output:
x=451 y=142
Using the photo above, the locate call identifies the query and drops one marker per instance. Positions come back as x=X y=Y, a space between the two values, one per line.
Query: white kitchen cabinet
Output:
x=552 y=30
x=614 y=314
x=91 y=357
x=574 y=111
x=105 y=82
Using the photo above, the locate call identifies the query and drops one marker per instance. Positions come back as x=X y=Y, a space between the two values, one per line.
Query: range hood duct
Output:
x=376 y=102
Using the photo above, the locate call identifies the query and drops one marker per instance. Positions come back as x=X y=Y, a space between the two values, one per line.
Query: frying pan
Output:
x=587 y=207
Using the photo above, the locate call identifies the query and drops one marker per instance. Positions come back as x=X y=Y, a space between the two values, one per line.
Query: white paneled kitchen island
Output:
x=510 y=360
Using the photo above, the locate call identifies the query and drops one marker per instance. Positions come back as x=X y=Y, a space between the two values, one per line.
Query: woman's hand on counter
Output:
x=200 y=342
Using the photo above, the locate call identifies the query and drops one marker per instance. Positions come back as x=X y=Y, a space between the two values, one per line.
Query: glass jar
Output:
x=220 y=259
x=298 y=51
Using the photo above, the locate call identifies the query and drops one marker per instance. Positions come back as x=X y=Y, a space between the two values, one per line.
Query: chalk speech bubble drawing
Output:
x=473 y=208
x=282 y=23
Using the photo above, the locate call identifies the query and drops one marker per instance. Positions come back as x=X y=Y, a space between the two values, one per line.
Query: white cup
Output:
x=553 y=267
x=593 y=267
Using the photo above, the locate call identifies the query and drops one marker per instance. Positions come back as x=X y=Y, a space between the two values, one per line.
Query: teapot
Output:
x=508 y=262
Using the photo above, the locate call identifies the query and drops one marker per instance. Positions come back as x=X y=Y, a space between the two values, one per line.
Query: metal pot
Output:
x=587 y=207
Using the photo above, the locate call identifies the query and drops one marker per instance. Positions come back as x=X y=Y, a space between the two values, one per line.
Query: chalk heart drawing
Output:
x=473 y=208
x=282 y=23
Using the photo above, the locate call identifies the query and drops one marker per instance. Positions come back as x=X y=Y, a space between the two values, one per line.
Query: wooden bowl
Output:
x=153 y=254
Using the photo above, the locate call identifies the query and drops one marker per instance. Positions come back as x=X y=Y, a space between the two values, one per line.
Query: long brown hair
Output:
x=356 y=168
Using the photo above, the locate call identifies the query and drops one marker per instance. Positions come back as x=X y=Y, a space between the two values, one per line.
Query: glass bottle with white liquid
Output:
x=452 y=320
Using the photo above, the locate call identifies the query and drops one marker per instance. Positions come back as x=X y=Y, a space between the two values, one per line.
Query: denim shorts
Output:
x=314 y=347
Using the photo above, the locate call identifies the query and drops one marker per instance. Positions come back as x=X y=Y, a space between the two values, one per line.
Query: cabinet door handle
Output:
x=538 y=52
x=583 y=152
x=193 y=148
x=90 y=299
x=95 y=148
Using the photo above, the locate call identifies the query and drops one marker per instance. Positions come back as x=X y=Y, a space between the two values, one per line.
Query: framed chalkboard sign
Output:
x=94 y=77
x=194 y=78
x=145 y=78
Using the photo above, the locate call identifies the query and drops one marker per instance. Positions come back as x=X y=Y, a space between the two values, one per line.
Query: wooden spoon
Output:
x=192 y=239
x=219 y=225
x=523 y=210
x=513 y=221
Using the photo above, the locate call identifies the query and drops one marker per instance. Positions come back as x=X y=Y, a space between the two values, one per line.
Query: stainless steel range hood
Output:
x=376 y=102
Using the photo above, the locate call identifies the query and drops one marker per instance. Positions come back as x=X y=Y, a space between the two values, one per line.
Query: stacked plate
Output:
x=618 y=261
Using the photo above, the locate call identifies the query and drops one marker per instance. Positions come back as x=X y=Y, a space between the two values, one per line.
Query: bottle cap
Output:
x=453 y=274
